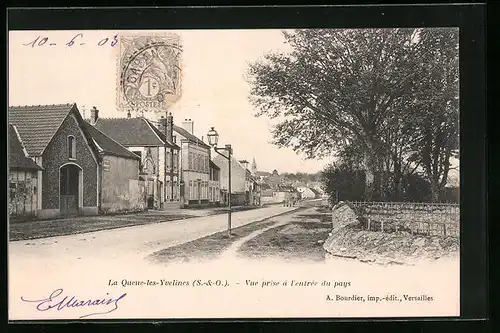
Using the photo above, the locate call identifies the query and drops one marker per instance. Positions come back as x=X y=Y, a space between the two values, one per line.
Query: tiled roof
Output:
x=162 y=135
x=37 y=124
x=128 y=131
x=108 y=145
x=286 y=188
x=192 y=138
x=17 y=158
x=265 y=186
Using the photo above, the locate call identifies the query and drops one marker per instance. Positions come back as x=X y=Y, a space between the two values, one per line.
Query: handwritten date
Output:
x=76 y=40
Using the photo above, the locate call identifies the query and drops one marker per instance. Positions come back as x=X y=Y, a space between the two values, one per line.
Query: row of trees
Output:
x=382 y=101
x=344 y=184
x=302 y=177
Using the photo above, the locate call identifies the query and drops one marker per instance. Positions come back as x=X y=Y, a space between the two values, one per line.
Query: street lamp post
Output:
x=213 y=138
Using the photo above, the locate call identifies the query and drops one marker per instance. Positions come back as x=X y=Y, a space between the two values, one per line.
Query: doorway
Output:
x=69 y=189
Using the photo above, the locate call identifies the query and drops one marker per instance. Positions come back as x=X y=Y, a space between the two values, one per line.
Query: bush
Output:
x=342 y=184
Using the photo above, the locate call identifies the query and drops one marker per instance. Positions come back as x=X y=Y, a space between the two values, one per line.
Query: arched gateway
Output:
x=70 y=184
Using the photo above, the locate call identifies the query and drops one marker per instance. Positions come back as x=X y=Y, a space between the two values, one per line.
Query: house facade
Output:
x=158 y=153
x=255 y=191
x=245 y=189
x=120 y=187
x=23 y=179
x=195 y=172
x=214 y=184
x=56 y=138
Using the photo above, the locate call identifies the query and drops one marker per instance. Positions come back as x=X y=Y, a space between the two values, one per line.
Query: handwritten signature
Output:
x=57 y=302
x=77 y=39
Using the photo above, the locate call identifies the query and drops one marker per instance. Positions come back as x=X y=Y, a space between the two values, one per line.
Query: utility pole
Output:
x=165 y=160
x=229 y=149
x=213 y=138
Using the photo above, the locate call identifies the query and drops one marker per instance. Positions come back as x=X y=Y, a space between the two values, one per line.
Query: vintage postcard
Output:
x=175 y=174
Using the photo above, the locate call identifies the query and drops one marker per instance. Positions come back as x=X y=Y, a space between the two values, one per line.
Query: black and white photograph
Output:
x=233 y=173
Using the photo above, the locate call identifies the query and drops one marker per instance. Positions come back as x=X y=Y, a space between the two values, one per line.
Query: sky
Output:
x=214 y=91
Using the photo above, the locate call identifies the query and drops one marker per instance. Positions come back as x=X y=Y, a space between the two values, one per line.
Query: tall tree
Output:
x=353 y=92
x=437 y=98
x=336 y=87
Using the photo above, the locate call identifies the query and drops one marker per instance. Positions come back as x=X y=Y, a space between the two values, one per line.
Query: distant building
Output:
x=266 y=191
x=306 y=192
x=317 y=187
x=254 y=167
x=278 y=195
x=262 y=175
x=244 y=187
x=282 y=192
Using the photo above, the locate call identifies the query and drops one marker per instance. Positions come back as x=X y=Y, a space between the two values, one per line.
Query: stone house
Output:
x=158 y=153
x=56 y=138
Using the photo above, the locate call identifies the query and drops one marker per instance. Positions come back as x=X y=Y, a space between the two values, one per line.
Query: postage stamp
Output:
x=149 y=72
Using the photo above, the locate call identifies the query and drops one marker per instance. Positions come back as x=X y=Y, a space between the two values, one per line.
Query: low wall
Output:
x=350 y=238
x=270 y=200
x=343 y=215
x=134 y=200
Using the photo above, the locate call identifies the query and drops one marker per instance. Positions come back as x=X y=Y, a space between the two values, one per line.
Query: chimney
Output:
x=188 y=125
x=244 y=163
x=94 y=115
x=169 y=131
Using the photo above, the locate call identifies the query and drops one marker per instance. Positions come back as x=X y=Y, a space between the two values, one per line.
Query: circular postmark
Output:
x=150 y=74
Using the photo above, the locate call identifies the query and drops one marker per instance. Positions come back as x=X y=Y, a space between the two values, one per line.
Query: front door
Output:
x=69 y=185
x=199 y=191
x=151 y=194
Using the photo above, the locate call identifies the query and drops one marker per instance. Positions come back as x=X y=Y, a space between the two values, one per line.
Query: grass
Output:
x=82 y=224
x=206 y=248
x=302 y=244
x=33 y=229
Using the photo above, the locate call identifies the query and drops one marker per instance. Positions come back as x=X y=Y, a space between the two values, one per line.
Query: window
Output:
x=169 y=160
x=191 y=161
x=176 y=160
x=71 y=147
x=139 y=153
x=169 y=190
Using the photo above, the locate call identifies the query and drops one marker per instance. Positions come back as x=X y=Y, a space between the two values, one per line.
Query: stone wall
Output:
x=343 y=215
